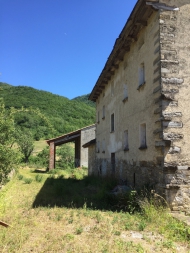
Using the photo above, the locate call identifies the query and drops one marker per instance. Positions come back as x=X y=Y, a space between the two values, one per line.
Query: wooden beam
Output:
x=114 y=66
x=126 y=48
x=119 y=58
x=107 y=78
x=104 y=82
x=66 y=139
x=112 y=72
x=102 y=86
x=132 y=37
x=142 y=22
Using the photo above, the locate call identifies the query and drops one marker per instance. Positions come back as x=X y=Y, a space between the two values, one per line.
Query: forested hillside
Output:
x=65 y=115
x=84 y=99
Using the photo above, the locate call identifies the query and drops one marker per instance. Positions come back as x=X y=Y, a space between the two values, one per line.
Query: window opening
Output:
x=125 y=93
x=126 y=144
x=141 y=74
x=112 y=123
x=98 y=117
x=103 y=146
x=113 y=163
x=143 y=136
x=103 y=112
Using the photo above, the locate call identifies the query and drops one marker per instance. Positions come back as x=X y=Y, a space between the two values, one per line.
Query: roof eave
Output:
x=122 y=44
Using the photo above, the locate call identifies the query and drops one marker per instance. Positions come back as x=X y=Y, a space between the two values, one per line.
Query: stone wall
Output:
x=175 y=107
x=161 y=102
x=87 y=134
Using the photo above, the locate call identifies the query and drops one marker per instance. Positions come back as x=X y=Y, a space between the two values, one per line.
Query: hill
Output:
x=4 y=85
x=84 y=99
x=65 y=115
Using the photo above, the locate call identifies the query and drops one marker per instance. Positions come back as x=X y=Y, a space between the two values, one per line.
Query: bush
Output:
x=27 y=180
x=20 y=177
x=38 y=178
x=42 y=158
x=66 y=156
x=9 y=157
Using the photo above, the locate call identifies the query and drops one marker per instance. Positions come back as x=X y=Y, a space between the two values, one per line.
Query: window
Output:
x=125 y=93
x=103 y=112
x=100 y=170
x=103 y=146
x=112 y=123
x=112 y=89
x=143 y=136
x=141 y=75
x=126 y=144
x=113 y=163
x=98 y=117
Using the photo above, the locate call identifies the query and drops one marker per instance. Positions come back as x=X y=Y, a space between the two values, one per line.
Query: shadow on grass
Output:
x=40 y=171
x=90 y=191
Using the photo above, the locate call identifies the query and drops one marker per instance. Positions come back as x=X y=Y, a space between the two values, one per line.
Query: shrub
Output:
x=20 y=177
x=38 y=178
x=27 y=180
x=8 y=156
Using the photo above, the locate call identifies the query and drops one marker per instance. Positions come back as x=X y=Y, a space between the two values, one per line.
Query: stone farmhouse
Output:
x=143 y=103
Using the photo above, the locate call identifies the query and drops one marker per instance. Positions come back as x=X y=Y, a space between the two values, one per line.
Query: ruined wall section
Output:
x=87 y=134
x=174 y=106
x=92 y=160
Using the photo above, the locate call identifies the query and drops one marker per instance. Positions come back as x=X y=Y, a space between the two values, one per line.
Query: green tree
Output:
x=41 y=159
x=66 y=156
x=39 y=109
x=25 y=143
x=9 y=156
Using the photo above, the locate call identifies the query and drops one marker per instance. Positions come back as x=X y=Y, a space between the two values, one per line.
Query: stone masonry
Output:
x=145 y=85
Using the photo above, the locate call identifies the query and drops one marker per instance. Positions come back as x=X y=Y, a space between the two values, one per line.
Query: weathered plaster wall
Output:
x=87 y=135
x=92 y=160
x=129 y=114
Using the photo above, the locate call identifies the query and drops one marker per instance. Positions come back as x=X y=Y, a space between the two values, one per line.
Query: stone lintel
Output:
x=172 y=136
x=170 y=62
x=185 y=167
x=174 y=81
x=174 y=150
x=171 y=114
x=173 y=124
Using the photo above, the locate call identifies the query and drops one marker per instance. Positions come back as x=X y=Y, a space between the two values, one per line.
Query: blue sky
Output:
x=59 y=46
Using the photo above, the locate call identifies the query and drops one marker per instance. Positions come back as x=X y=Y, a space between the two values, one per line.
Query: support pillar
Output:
x=77 y=153
x=52 y=150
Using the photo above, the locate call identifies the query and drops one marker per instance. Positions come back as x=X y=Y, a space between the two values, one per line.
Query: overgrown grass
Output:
x=66 y=211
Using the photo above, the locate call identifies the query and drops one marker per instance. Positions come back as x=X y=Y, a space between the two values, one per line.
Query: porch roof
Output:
x=69 y=137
